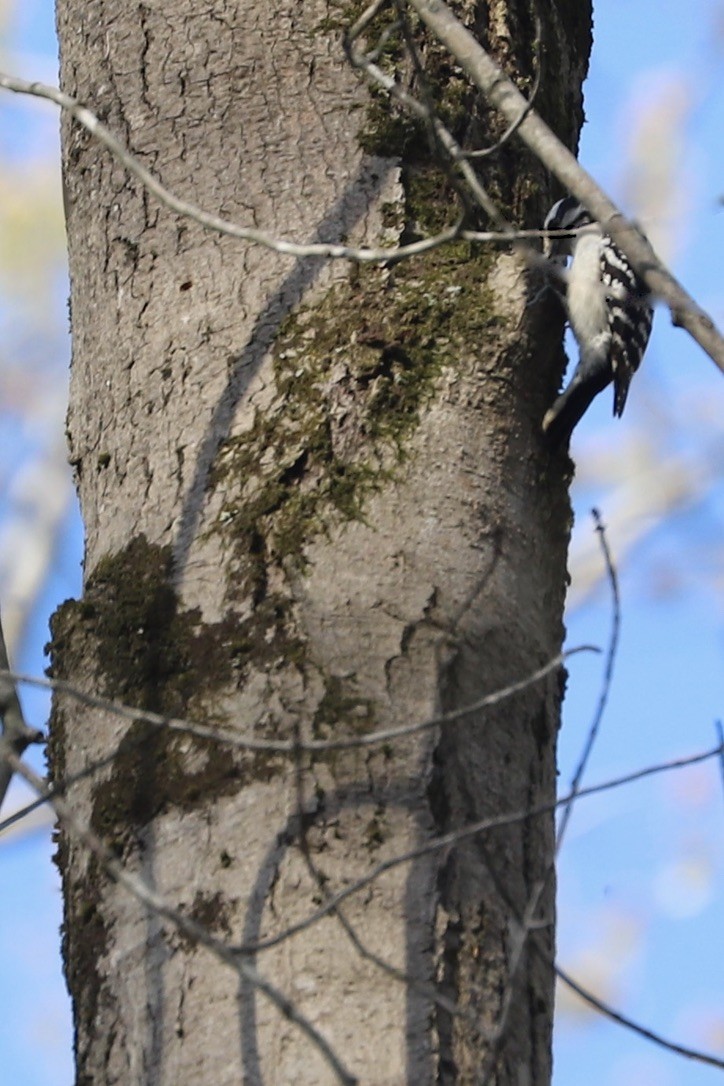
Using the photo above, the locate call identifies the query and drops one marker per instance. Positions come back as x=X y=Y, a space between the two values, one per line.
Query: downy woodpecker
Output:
x=608 y=309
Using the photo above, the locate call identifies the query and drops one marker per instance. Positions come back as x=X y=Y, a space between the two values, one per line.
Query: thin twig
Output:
x=366 y=18
x=203 y=731
x=23 y=812
x=428 y=991
x=526 y=925
x=444 y=138
x=51 y=792
x=502 y=93
x=720 y=734
x=214 y=222
x=450 y=153
x=606 y=681
x=521 y=929
x=445 y=841
x=16 y=736
x=232 y=955
x=381 y=255
x=279 y=746
x=515 y=124
x=388 y=255
x=436 y=844
x=149 y=897
x=623 y=1020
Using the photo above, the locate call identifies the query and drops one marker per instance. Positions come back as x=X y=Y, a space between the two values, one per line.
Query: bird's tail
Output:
x=562 y=418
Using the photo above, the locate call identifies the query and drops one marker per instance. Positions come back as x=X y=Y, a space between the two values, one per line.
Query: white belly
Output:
x=586 y=296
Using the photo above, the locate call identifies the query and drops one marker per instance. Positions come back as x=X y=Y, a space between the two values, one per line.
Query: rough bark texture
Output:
x=316 y=503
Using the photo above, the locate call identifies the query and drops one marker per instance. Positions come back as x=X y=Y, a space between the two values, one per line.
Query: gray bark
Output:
x=316 y=504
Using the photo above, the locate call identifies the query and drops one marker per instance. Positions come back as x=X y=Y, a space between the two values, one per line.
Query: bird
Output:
x=609 y=311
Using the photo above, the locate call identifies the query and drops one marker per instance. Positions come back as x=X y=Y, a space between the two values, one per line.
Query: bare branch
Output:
x=279 y=746
x=505 y=96
x=213 y=222
x=616 y=1016
x=526 y=925
x=445 y=841
x=366 y=18
x=21 y=813
x=445 y=139
x=523 y=928
x=514 y=125
x=144 y=893
x=432 y=846
x=720 y=733
x=410 y=982
x=214 y=734
x=16 y=735
x=607 y=678
x=505 y=235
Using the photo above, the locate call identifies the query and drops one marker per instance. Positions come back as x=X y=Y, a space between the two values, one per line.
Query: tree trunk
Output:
x=317 y=505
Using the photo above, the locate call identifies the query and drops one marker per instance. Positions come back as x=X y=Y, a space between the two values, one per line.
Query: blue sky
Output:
x=642 y=873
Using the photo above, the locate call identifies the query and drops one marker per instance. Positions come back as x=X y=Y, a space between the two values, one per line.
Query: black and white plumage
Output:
x=609 y=311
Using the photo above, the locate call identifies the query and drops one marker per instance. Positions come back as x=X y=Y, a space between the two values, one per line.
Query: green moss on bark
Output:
x=353 y=375
x=85 y=938
x=147 y=652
